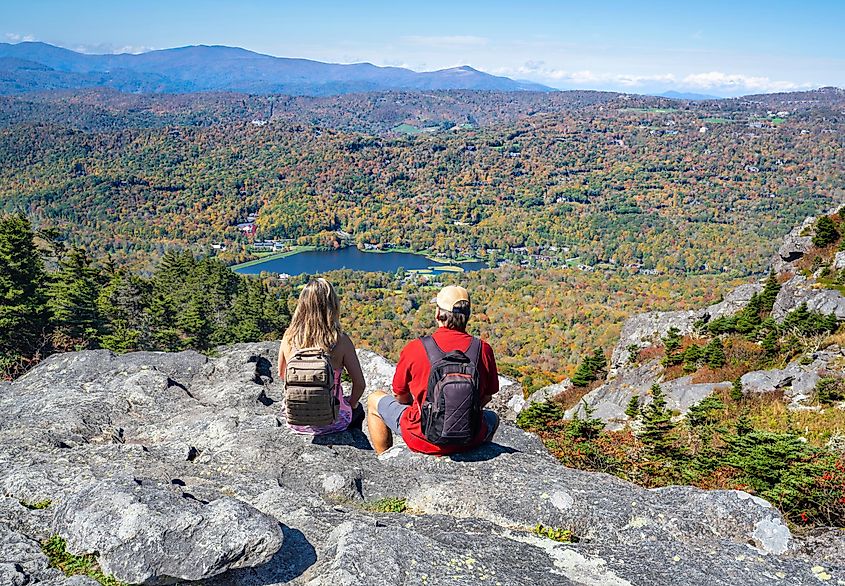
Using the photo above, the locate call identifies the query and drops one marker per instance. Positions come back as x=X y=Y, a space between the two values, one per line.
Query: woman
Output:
x=316 y=324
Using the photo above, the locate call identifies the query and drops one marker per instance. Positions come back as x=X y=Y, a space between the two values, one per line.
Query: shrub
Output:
x=555 y=533
x=830 y=389
x=540 y=416
x=386 y=505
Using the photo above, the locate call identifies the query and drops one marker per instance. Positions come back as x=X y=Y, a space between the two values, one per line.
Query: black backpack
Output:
x=451 y=412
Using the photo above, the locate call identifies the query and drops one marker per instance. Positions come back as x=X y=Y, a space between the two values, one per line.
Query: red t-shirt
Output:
x=412 y=377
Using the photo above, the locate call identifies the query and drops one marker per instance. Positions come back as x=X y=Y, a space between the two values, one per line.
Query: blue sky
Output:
x=715 y=47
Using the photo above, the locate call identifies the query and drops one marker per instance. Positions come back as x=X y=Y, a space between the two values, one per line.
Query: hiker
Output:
x=314 y=353
x=441 y=383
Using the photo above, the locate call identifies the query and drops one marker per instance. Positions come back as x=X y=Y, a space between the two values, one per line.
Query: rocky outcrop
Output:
x=608 y=401
x=799 y=289
x=795 y=245
x=173 y=467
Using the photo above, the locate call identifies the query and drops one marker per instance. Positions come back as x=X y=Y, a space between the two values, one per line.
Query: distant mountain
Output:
x=672 y=95
x=26 y=67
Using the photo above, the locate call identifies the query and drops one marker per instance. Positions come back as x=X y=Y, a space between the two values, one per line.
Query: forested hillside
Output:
x=673 y=186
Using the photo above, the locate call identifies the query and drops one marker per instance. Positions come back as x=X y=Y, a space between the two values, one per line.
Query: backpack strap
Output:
x=432 y=349
x=474 y=351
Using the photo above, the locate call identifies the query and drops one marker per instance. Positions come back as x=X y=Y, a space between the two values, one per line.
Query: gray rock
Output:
x=733 y=302
x=838 y=261
x=794 y=247
x=800 y=290
x=549 y=392
x=646 y=329
x=21 y=559
x=184 y=467
x=145 y=534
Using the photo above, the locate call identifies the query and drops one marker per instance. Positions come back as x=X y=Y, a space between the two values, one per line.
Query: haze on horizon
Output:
x=717 y=48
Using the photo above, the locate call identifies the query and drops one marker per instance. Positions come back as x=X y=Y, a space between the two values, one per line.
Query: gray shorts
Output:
x=390 y=410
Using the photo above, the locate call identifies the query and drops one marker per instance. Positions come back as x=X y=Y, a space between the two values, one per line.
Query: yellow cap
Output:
x=449 y=296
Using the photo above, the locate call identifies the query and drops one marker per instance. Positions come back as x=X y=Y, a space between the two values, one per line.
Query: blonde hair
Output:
x=316 y=320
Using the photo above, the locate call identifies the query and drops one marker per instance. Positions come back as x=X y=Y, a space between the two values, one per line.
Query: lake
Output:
x=321 y=261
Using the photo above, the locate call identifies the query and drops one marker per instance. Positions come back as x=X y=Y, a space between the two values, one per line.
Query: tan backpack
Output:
x=309 y=388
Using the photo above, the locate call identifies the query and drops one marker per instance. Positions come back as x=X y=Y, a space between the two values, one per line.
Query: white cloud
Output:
x=18 y=38
x=446 y=41
x=719 y=80
x=110 y=48
x=712 y=81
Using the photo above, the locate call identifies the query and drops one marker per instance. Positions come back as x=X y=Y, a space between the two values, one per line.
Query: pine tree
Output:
x=73 y=297
x=589 y=368
x=769 y=293
x=770 y=343
x=826 y=232
x=714 y=353
x=736 y=390
x=657 y=425
x=633 y=408
x=672 y=341
x=743 y=423
x=24 y=316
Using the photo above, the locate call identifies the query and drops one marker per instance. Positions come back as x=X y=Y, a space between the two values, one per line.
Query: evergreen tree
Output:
x=123 y=303
x=657 y=425
x=743 y=423
x=73 y=297
x=589 y=368
x=736 y=390
x=826 y=232
x=632 y=410
x=769 y=293
x=770 y=343
x=24 y=316
x=672 y=341
x=714 y=353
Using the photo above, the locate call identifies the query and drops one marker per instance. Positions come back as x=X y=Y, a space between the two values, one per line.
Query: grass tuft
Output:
x=555 y=533
x=55 y=548
x=386 y=505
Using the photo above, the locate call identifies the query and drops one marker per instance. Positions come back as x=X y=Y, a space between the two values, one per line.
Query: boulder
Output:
x=549 y=392
x=733 y=302
x=146 y=534
x=799 y=289
x=184 y=468
x=793 y=247
x=610 y=400
x=646 y=329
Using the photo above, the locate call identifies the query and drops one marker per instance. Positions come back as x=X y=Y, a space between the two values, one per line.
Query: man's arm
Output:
x=402 y=378
x=490 y=382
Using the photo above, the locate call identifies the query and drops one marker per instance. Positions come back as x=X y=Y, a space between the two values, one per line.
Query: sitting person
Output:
x=315 y=345
x=441 y=383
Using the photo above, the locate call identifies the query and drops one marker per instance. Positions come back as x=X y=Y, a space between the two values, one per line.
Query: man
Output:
x=402 y=412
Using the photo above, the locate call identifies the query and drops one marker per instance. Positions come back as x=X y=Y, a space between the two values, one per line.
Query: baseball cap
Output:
x=449 y=296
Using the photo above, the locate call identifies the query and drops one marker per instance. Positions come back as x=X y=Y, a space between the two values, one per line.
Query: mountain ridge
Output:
x=195 y=68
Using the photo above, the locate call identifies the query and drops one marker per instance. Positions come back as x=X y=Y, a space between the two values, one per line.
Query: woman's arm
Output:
x=353 y=367
x=283 y=348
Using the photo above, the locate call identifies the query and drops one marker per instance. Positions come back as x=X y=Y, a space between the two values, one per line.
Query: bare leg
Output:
x=380 y=435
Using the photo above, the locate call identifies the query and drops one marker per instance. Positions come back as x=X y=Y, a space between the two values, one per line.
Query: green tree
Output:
x=24 y=316
x=736 y=390
x=590 y=368
x=714 y=353
x=769 y=294
x=825 y=232
x=657 y=425
x=632 y=410
x=73 y=295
